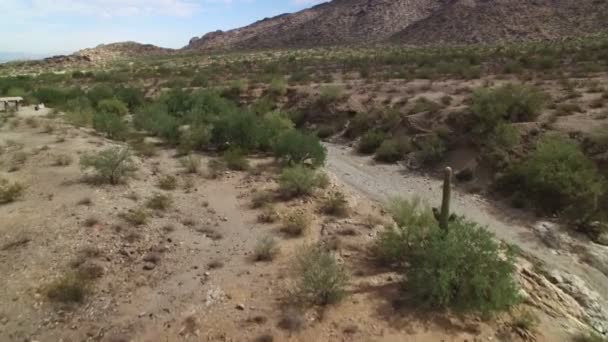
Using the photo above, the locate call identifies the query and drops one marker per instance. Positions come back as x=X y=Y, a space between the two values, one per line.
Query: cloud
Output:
x=101 y=8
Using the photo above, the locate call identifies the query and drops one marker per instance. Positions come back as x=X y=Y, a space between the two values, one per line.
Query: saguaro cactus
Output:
x=444 y=217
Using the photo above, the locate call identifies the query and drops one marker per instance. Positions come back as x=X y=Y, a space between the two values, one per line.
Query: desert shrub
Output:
x=159 y=202
x=463 y=268
x=99 y=93
x=296 y=223
x=191 y=163
x=320 y=278
x=371 y=141
x=111 y=165
x=269 y=214
x=112 y=125
x=132 y=97
x=511 y=102
x=236 y=159
x=566 y=109
x=261 y=199
x=237 y=128
x=423 y=104
x=167 y=182
x=389 y=151
x=265 y=249
x=559 y=177
x=10 y=191
x=113 y=106
x=155 y=119
x=299 y=180
x=136 y=217
x=330 y=94
x=413 y=220
x=177 y=101
x=278 y=87
x=272 y=126
x=235 y=89
x=70 y=288
x=589 y=337
x=432 y=149
x=294 y=147
x=196 y=137
x=525 y=320
x=335 y=204
x=62 y=160
x=79 y=111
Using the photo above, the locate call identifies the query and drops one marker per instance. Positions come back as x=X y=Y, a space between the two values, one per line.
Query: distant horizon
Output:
x=51 y=27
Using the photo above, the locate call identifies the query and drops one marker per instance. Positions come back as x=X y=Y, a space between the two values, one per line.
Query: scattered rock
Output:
x=152 y=257
x=148 y=266
x=240 y=307
x=549 y=233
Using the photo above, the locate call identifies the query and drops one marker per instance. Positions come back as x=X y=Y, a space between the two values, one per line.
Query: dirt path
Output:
x=380 y=182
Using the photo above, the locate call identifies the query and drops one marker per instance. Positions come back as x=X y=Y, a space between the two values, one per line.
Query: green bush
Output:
x=132 y=97
x=299 y=180
x=112 y=125
x=113 y=106
x=156 y=120
x=9 y=192
x=236 y=159
x=392 y=150
x=265 y=249
x=196 y=137
x=79 y=111
x=100 y=92
x=70 y=288
x=371 y=141
x=511 y=102
x=423 y=104
x=413 y=221
x=294 y=147
x=320 y=278
x=559 y=177
x=111 y=165
x=278 y=87
x=432 y=149
x=159 y=202
x=191 y=163
x=463 y=268
x=167 y=182
x=335 y=204
x=330 y=94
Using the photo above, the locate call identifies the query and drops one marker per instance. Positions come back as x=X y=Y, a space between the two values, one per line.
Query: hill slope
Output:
x=108 y=52
x=416 y=22
x=334 y=23
x=488 y=21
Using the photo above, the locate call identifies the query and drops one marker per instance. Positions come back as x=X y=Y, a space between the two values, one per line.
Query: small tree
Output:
x=112 y=165
x=113 y=106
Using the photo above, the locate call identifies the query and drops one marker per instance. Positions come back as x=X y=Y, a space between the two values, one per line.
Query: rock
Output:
x=152 y=257
x=240 y=307
x=148 y=266
x=549 y=233
x=602 y=239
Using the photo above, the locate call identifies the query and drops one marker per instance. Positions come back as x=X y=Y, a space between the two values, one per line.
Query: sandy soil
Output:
x=187 y=274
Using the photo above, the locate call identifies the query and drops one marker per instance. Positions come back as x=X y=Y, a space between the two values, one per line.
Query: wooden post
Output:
x=444 y=218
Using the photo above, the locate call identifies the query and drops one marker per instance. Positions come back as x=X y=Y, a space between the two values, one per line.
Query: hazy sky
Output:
x=61 y=26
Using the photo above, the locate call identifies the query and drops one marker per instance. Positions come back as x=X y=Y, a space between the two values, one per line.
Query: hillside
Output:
x=108 y=52
x=343 y=22
x=334 y=23
x=482 y=21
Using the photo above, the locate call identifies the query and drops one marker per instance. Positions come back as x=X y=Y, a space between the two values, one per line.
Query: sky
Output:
x=63 y=26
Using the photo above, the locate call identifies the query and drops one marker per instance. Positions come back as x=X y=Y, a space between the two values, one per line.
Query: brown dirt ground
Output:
x=182 y=298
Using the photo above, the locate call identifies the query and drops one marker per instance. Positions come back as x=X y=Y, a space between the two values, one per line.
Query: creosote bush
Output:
x=10 y=191
x=321 y=279
x=167 y=182
x=296 y=223
x=235 y=159
x=371 y=141
x=159 y=202
x=265 y=249
x=70 y=288
x=559 y=178
x=112 y=165
x=462 y=268
x=294 y=147
x=299 y=180
x=191 y=163
x=136 y=217
x=335 y=204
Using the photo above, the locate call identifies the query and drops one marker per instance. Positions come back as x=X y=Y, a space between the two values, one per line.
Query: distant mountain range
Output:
x=19 y=56
x=417 y=22
x=361 y=22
